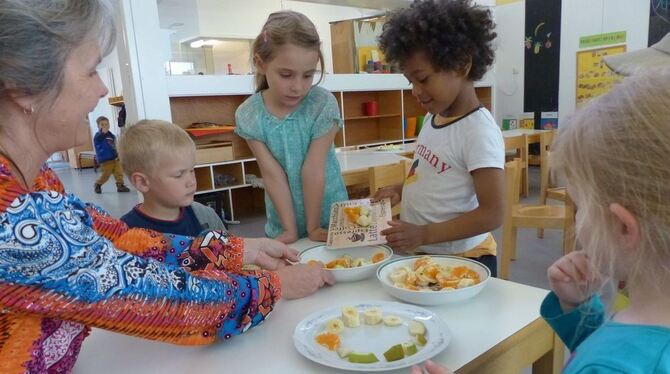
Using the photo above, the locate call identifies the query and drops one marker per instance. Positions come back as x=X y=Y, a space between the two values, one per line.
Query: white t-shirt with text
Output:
x=439 y=186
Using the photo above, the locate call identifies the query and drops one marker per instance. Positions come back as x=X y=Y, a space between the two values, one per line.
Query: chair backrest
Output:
x=519 y=144
x=546 y=139
x=387 y=175
x=512 y=184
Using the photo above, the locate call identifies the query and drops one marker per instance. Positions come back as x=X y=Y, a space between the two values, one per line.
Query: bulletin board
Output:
x=594 y=78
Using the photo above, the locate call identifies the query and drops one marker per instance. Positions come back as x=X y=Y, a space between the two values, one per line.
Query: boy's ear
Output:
x=628 y=226
x=140 y=181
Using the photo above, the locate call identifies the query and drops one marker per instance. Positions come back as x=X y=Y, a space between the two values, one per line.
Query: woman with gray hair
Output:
x=66 y=265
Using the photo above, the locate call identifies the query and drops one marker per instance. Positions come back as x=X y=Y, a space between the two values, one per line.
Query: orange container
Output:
x=411 y=127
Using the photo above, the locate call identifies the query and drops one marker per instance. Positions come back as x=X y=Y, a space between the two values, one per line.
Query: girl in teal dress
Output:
x=290 y=125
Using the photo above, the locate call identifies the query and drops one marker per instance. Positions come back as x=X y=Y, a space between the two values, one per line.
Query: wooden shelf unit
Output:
x=240 y=199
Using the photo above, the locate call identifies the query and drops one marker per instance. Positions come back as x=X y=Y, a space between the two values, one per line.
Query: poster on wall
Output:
x=659 y=20
x=594 y=78
x=542 y=55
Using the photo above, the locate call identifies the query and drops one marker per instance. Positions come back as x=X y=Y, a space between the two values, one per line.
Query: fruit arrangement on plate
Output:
x=350 y=318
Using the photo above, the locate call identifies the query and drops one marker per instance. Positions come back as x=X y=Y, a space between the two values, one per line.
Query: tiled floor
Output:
x=534 y=255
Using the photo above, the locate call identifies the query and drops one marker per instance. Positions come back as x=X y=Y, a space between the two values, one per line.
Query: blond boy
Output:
x=158 y=157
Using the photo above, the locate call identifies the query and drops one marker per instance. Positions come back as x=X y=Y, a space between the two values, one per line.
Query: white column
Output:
x=142 y=57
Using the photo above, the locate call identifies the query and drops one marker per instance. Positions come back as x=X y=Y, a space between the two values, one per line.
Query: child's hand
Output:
x=303 y=280
x=318 y=235
x=573 y=279
x=288 y=237
x=431 y=368
x=268 y=253
x=391 y=192
x=403 y=236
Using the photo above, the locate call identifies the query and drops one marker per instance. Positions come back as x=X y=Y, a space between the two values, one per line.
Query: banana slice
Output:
x=335 y=326
x=372 y=316
x=392 y=320
x=350 y=316
x=399 y=275
x=358 y=262
x=417 y=328
x=343 y=352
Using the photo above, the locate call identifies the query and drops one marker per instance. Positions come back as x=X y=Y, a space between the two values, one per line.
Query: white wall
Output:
x=244 y=19
x=110 y=74
x=509 y=62
x=579 y=18
x=236 y=53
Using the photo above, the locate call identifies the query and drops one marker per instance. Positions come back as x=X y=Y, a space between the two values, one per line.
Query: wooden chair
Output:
x=530 y=216
x=519 y=144
x=548 y=188
x=387 y=175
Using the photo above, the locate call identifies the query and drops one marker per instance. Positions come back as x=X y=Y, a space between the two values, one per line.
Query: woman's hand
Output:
x=403 y=236
x=431 y=368
x=302 y=280
x=288 y=237
x=394 y=193
x=318 y=235
x=573 y=279
x=267 y=253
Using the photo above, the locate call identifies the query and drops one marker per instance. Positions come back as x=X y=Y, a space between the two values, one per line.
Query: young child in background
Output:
x=105 y=152
x=453 y=195
x=158 y=158
x=613 y=154
x=290 y=125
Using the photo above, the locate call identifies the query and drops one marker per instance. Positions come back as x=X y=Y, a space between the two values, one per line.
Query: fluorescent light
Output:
x=197 y=43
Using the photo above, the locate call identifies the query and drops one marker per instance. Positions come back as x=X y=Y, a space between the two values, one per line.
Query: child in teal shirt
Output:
x=290 y=125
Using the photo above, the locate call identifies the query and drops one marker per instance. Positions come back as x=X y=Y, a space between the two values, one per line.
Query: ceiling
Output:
x=369 y=4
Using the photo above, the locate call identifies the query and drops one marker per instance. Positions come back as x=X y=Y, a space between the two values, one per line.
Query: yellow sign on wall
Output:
x=594 y=78
x=503 y=2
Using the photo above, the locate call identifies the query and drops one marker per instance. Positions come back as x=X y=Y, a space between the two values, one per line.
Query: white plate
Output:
x=376 y=339
x=325 y=255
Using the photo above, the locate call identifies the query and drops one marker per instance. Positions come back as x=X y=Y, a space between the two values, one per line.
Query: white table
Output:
x=533 y=134
x=499 y=331
x=355 y=164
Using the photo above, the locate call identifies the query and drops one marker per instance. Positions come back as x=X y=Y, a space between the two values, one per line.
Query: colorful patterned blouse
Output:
x=66 y=266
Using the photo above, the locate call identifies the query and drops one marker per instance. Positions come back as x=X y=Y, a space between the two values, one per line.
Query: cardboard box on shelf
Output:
x=214 y=152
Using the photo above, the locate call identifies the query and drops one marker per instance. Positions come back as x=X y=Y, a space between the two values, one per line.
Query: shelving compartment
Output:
x=361 y=128
x=203 y=178
x=228 y=175
x=216 y=109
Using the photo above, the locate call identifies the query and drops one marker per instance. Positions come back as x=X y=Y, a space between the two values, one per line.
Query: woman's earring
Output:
x=29 y=111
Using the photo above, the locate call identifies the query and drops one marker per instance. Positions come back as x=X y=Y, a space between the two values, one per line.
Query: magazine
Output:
x=358 y=223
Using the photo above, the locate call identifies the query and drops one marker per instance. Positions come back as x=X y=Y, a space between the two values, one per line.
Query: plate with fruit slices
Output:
x=371 y=336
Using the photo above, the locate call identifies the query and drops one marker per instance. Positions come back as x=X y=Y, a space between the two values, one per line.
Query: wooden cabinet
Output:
x=232 y=179
x=353 y=42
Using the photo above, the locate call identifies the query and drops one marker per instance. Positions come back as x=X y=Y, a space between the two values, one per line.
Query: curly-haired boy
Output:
x=453 y=195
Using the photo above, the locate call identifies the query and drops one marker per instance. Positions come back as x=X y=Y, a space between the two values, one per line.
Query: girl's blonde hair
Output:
x=617 y=150
x=284 y=27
